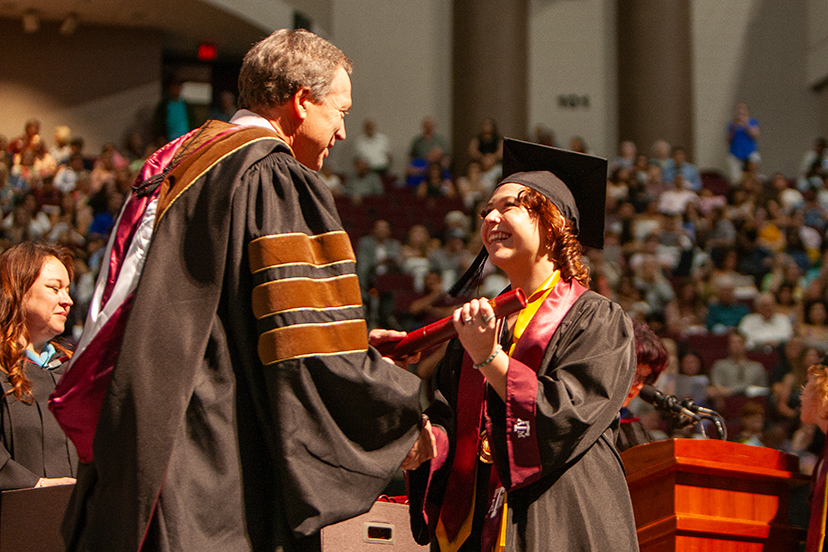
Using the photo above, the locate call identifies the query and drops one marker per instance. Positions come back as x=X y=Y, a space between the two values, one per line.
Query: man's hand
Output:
x=423 y=450
x=378 y=336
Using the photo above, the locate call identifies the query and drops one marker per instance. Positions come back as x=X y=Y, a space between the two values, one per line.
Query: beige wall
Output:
x=753 y=51
x=97 y=81
x=818 y=58
x=402 y=69
x=572 y=51
x=770 y=54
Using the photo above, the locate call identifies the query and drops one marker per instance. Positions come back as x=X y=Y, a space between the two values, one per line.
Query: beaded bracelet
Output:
x=488 y=360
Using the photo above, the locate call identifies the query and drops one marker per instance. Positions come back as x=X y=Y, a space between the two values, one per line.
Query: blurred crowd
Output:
x=730 y=270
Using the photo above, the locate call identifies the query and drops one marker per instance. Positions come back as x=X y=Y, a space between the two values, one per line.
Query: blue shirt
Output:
x=741 y=143
x=178 y=124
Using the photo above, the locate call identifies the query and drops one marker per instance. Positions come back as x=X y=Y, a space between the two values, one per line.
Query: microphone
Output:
x=667 y=403
x=707 y=414
x=695 y=408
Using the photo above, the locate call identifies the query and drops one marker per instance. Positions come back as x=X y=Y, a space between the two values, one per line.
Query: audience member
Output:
x=174 y=116
x=435 y=183
x=627 y=153
x=452 y=259
x=788 y=376
x=423 y=145
x=814 y=165
x=29 y=138
x=487 y=143
x=377 y=253
x=678 y=164
x=374 y=147
x=225 y=108
x=660 y=152
x=471 y=186
x=674 y=200
x=765 y=327
x=742 y=134
x=431 y=304
x=724 y=312
x=61 y=150
x=752 y=422
x=814 y=328
x=686 y=315
x=578 y=145
x=363 y=181
x=736 y=373
x=67 y=176
x=691 y=382
x=414 y=254
x=25 y=222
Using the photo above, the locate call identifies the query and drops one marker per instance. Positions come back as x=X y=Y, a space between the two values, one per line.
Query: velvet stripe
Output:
x=304 y=293
x=284 y=249
x=299 y=341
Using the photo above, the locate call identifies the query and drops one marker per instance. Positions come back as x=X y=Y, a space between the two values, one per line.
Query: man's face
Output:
x=324 y=123
x=736 y=344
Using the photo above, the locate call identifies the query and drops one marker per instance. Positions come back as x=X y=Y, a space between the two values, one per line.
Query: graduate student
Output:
x=526 y=408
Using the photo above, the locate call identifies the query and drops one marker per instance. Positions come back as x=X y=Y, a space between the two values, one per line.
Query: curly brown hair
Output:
x=564 y=248
x=20 y=266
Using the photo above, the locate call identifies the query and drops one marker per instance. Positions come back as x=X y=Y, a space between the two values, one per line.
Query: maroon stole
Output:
x=471 y=401
x=77 y=400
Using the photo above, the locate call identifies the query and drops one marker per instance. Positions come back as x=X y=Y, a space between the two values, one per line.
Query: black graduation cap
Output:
x=584 y=176
x=575 y=183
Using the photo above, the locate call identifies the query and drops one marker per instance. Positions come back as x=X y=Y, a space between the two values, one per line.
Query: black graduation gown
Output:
x=33 y=444
x=233 y=420
x=553 y=438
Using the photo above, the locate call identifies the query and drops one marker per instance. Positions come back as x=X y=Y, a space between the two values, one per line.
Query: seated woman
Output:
x=526 y=407
x=34 y=452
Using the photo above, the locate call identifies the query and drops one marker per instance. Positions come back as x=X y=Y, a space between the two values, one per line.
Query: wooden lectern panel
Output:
x=708 y=495
x=30 y=519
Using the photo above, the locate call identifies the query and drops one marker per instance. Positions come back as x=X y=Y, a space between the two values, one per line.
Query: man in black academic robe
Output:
x=243 y=407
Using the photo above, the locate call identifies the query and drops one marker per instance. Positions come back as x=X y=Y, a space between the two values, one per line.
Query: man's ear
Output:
x=300 y=103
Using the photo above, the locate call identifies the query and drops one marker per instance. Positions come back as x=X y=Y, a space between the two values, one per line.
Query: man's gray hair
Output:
x=285 y=62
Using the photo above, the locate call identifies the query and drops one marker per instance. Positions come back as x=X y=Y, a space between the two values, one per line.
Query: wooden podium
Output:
x=708 y=495
x=30 y=519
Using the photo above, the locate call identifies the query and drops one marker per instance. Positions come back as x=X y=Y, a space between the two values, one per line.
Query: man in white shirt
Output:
x=765 y=327
x=373 y=147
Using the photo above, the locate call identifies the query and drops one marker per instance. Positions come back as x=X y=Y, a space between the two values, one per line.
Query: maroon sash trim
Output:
x=458 y=497
x=524 y=461
x=77 y=400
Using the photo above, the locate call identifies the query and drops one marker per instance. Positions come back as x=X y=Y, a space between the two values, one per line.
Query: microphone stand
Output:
x=703 y=413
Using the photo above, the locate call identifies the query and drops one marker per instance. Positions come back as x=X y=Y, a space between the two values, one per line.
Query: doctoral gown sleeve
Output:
x=554 y=413
x=342 y=418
